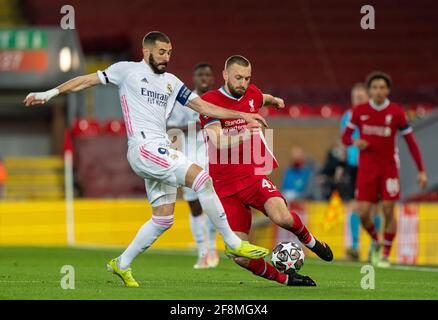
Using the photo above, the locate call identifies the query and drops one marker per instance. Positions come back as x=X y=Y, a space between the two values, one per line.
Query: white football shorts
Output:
x=163 y=169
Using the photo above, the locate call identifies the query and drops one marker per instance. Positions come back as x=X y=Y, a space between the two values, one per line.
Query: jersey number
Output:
x=268 y=184
x=392 y=186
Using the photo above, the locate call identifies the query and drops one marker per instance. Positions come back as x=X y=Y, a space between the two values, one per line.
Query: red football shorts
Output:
x=238 y=206
x=374 y=185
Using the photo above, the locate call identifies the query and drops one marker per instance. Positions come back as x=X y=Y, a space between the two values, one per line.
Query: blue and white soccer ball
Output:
x=287 y=257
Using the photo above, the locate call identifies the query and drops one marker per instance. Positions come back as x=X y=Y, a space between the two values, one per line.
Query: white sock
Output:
x=146 y=236
x=211 y=234
x=198 y=230
x=311 y=243
x=212 y=207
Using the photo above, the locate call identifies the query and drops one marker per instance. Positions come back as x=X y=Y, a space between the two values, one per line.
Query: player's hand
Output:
x=34 y=98
x=253 y=127
x=361 y=144
x=254 y=119
x=422 y=179
x=278 y=103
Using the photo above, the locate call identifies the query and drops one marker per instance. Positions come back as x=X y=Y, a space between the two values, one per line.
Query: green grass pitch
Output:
x=34 y=273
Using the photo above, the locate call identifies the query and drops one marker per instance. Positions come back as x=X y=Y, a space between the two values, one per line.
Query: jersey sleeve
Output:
x=354 y=121
x=206 y=120
x=114 y=74
x=258 y=96
x=183 y=94
x=402 y=122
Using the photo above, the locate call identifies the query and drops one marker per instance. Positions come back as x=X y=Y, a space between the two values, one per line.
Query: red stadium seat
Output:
x=421 y=109
x=329 y=111
x=116 y=127
x=299 y=111
x=349 y=52
x=85 y=127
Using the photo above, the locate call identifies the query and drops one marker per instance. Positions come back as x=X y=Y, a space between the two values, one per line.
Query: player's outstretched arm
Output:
x=269 y=100
x=205 y=108
x=73 y=85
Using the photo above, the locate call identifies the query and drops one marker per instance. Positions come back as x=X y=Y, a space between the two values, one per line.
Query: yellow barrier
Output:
x=115 y=223
x=97 y=222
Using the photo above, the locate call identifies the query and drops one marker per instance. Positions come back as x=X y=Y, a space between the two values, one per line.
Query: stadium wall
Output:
x=113 y=223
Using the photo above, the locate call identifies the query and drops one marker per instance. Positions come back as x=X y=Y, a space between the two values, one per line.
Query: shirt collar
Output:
x=377 y=106
x=225 y=93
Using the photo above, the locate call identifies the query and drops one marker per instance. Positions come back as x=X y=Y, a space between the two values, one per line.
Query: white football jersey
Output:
x=181 y=116
x=147 y=98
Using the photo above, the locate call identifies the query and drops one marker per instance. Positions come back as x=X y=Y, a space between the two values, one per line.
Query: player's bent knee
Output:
x=203 y=182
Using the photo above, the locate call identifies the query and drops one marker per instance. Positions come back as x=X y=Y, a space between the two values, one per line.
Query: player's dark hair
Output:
x=378 y=75
x=202 y=65
x=236 y=59
x=359 y=86
x=153 y=36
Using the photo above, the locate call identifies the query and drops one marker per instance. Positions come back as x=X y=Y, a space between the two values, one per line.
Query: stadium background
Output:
x=304 y=51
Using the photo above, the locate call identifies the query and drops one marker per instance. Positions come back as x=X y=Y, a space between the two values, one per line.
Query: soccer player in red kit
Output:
x=378 y=121
x=240 y=184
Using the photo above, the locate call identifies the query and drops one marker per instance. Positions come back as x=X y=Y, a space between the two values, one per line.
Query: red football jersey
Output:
x=378 y=125
x=234 y=169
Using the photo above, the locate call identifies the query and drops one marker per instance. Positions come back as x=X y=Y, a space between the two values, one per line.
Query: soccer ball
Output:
x=287 y=257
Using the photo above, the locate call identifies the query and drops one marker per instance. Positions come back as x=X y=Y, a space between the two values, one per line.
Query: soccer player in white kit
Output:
x=148 y=94
x=184 y=125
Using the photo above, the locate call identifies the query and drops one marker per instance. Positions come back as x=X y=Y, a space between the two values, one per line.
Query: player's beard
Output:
x=154 y=65
x=236 y=92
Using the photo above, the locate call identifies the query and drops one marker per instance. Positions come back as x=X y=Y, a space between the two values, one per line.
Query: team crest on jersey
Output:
x=388 y=119
x=163 y=151
x=169 y=88
x=251 y=105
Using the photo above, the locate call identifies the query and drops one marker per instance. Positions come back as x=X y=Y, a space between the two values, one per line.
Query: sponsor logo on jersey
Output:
x=232 y=127
x=380 y=131
x=154 y=97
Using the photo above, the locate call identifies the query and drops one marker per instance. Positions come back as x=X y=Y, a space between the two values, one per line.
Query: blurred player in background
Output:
x=238 y=183
x=148 y=94
x=194 y=148
x=378 y=178
x=359 y=95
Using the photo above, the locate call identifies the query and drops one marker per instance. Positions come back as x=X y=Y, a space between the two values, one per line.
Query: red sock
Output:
x=373 y=232
x=300 y=230
x=264 y=269
x=387 y=243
